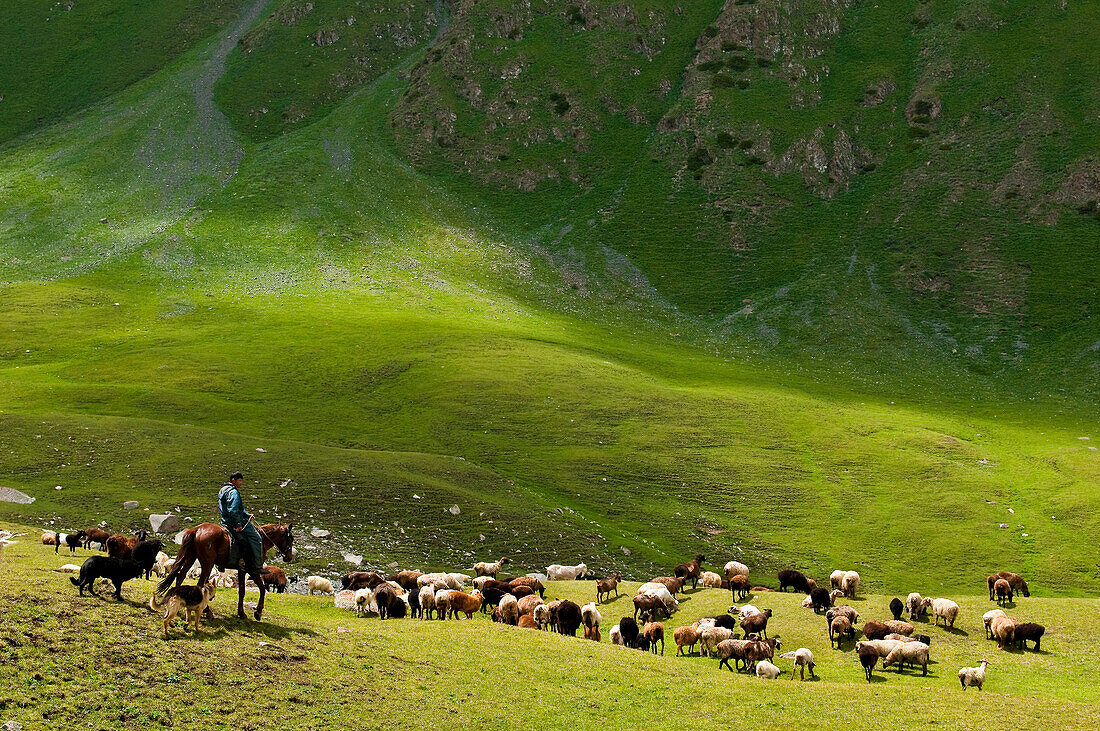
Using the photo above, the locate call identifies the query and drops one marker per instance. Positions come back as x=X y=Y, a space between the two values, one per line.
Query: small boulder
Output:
x=319 y=533
x=164 y=523
x=131 y=505
x=179 y=538
x=353 y=559
x=454 y=510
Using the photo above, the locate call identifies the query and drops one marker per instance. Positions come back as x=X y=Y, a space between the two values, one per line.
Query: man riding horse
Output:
x=242 y=531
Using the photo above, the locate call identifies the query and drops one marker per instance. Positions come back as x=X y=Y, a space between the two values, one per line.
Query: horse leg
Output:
x=240 y=594
x=204 y=576
x=260 y=604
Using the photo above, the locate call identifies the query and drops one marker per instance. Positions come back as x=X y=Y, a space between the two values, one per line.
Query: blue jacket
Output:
x=232 y=508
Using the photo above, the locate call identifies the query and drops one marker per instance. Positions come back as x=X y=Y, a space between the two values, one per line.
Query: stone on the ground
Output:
x=454 y=510
x=164 y=523
x=131 y=505
x=9 y=495
x=319 y=533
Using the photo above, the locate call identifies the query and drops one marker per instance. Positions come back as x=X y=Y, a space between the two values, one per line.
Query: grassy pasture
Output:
x=321 y=665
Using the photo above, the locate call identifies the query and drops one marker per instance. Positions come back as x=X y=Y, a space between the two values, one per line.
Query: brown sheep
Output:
x=739 y=587
x=566 y=616
x=899 y=627
x=526 y=621
x=465 y=603
x=1004 y=631
x=757 y=623
x=521 y=591
x=654 y=632
x=671 y=583
x=1003 y=590
x=96 y=535
x=407 y=580
x=760 y=650
x=528 y=603
x=356 y=579
x=1019 y=586
x=839 y=627
x=686 y=636
x=690 y=570
x=874 y=630
x=647 y=603
x=604 y=587
x=530 y=581
x=735 y=649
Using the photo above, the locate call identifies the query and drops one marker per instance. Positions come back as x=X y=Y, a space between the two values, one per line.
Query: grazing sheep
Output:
x=407 y=580
x=850 y=584
x=882 y=647
x=1003 y=630
x=843 y=609
x=629 y=632
x=509 y=609
x=731 y=648
x=902 y=638
x=462 y=603
x=591 y=619
x=820 y=599
x=875 y=630
x=362 y=579
x=686 y=636
x=530 y=581
x=1019 y=586
x=973 y=676
x=521 y=591
x=49 y=538
x=914 y=653
x=710 y=580
x=320 y=585
x=482 y=582
x=746 y=610
x=899 y=627
x=96 y=535
x=659 y=591
x=837 y=578
x=868 y=658
x=654 y=632
x=690 y=570
x=1029 y=631
x=72 y=540
x=759 y=650
x=914 y=603
x=364 y=598
x=807 y=602
x=390 y=604
x=528 y=622
x=604 y=587
x=803 y=660
x=895 y=607
x=739 y=587
x=987 y=620
x=443 y=603
x=542 y=616
x=490 y=569
x=427 y=601
x=724 y=620
x=839 y=627
x=710 y=637
x=616 y=636
x=757 y=623
x=528 y=604
x=456 y=581
x=796 y=580
x=673 y=584
x=557 y=572
x=946 y=610
x=734 y=568
x=1003 y=590
x=767 y=671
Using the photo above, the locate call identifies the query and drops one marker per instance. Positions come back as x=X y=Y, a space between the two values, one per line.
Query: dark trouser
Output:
x=250 y=546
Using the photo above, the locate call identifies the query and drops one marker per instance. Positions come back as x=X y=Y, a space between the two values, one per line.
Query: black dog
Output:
x=117 y=570
x=145 y=553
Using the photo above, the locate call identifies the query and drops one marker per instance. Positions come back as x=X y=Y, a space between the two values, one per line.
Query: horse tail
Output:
x=184 y=558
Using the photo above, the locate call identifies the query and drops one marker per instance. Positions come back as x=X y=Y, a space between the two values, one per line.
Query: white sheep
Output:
x=590 y=619
x=557 y=572
x=710 y=637
x=973 y=676
x=479 y=582
x=735 y=568
x=70 y=568
x=767 y=671
x=542 y=617
x=850 y=584
x=437 y=580
x=882 y=647
x=987 y=620
x=915 y=604
x=616 y=636
x=320 y=585
x=914 y=653
x=807 y=602
x=946 y=610
x=483 y=568
x=661 y=592
x=457 y=581
x=837 y=578
x=509 y=609
x=803 y=660
x=427 y=601
x=364 y=599
x=705 y=623
x=710 y=580
x=746 y=611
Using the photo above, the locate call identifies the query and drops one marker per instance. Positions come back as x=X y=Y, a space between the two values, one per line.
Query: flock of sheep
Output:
x=520 y=602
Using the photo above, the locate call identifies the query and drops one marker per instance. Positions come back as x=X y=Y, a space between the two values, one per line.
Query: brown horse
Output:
x=208 y=543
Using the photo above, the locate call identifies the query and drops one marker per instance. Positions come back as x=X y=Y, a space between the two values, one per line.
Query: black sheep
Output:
x=117 y=570
x=725 y=621
x=868 y=658
x=569 y=617
x=895 y=607
x=72 y=540
x=820 y=599
x=628 y=628
x=796 y=580
x=1029 y=631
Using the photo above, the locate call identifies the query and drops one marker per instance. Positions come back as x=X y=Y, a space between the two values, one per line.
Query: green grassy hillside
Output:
x=310 y=664
x=181 y=287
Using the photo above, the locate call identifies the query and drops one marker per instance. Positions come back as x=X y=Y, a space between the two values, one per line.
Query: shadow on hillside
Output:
x=957 y=631
x=224 y=626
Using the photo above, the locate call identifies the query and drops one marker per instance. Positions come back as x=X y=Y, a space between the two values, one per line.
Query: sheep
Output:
x=850 y=584
x=710 y=580
x=1003 y=590
x=690 y=570
x=616 y=636
x=542 y=616
x=604 y=587
x=530 y=581
x=161 y=565
x=914 y=653
x=686 y=636
x=390 y=604
x=528 y=604
x=796 y=580
x=843 y=609
x=145 y=553
x=820 y=599
x=803 y=660
x=915 y=638
x=344 y=599
x=1003 y=630
x=654 y=632
x=875 y=630
x=724 y=620
x=746 y=610
x=443 y=603
x=973 y=676
x=839 y=627
x=987 y=620
x=759 y=650
x=462 y=603
x=49 y=538
x=509 y=609
x=490 y=569
x=528 y=622
x=767 y=671
x=946 y=610
x=1019 y=586
x=407 y=580
x=757 y=623
x=364 y=598
x=72 y=540
x=96 y=535
x=882 y=647
x=628 y=631
x=557 y=572
x=807 y=602
x=69 y=568
x=739 y=587
x=733 y=568
x=361 y=579
x=661 y=593
x=731 y=648
x=673 y=584
x=710 y=637
x=482 y=582
x=1029 y=631
x=649 y=603
x=868 y=658
x=320 y=585
x=899 y=627
x=837 y=578
x=895 y=607
x=591 y=619
x=427 y=601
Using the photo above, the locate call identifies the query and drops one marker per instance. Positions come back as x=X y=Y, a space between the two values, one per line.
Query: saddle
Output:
x=234 y=561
